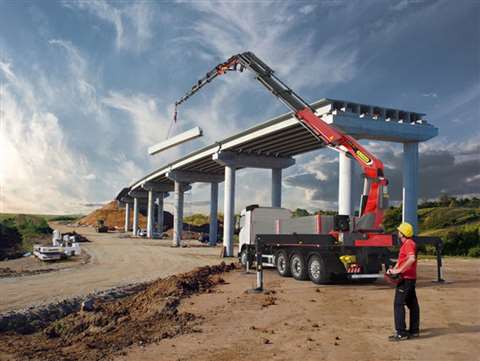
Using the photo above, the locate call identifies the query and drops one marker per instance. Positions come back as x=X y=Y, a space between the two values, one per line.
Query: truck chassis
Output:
x=318 y=257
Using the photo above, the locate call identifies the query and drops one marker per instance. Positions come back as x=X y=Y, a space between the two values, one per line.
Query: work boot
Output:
x=398 y=337
x=413 y=334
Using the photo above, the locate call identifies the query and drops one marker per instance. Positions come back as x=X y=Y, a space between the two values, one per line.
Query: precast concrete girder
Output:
x=194 y=177
x=236 y=160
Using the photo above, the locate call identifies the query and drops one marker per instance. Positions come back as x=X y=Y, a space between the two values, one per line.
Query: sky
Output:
x=87 y=86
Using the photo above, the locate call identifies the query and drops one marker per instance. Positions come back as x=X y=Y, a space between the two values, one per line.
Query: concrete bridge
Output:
x=273 y=145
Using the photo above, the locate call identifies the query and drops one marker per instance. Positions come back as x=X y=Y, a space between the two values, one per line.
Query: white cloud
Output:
x=132 y=20
x=266 y=28
x=36 y=165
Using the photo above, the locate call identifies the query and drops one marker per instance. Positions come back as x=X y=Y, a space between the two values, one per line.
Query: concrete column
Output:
x=212 y=237
x=178 y=214
x=345 y=174
x=150 y=214
x=135 y=216
x=127 y=216
x=160 y=213
x=410 y=184
x=276 y=187
x=229 y=210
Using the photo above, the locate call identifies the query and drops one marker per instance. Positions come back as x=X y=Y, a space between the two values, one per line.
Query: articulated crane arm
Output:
x=372 y=201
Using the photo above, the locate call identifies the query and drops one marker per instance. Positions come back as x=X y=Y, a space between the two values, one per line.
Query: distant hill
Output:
x=459 y=227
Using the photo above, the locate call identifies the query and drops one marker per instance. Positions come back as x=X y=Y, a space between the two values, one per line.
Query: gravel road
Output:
x=116 y=260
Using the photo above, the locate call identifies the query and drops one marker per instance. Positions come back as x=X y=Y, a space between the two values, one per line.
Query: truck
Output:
x=100 y=227
x=347 y=247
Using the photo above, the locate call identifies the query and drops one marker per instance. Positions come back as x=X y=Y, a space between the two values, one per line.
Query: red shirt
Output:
x=407 y=249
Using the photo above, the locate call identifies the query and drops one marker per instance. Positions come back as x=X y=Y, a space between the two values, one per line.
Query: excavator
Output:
x=354 y=248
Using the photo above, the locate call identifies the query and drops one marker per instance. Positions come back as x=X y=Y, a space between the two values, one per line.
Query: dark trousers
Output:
x=405 y=296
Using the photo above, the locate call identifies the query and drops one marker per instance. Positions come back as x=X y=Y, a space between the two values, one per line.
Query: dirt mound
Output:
x=114 y=217
x=146 y=317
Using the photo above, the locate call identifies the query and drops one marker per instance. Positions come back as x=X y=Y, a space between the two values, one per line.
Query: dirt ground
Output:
x=115 y=259
x=302 y=321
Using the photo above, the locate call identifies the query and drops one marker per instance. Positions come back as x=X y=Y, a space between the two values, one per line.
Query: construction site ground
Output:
x=112 y=259
x=209 y=314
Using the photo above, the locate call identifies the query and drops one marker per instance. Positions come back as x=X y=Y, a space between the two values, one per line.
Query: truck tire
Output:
x=317 y=270
x=282 y=264
x=298 y=267
x=244 y=257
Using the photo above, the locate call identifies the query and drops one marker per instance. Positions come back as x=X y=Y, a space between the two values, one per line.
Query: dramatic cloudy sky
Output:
x=87 y=86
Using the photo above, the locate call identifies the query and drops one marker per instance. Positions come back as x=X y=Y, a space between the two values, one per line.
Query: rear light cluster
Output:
x=354 y=268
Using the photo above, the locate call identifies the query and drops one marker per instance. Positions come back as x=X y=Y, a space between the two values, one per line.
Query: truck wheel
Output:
x=298 y=267
x=317 y=270
x=281 y=261
x=244 y=257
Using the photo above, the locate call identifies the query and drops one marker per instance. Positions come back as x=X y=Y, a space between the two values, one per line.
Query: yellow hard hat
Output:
x=406 y=229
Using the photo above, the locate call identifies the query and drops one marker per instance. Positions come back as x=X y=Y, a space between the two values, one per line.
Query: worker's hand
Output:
x=393 y=271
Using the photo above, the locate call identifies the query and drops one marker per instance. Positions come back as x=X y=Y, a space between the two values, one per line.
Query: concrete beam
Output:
x=127 y=199
x=395 y=130
x=194 y=177
x=138 y=193
x=176 y=140
x=157 y=187
x=232 y=159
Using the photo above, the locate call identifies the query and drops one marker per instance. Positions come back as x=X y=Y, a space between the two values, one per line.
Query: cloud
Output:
x=56 y=155
x=37 y=167
x=441 y=169
x=267 y=29
x=132 y=21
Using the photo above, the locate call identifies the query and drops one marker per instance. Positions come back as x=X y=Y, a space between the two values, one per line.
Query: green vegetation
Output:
x=455 y=221
x=199 y=219
x=18 y=233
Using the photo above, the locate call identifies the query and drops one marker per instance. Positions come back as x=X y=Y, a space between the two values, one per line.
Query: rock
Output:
x=88 y=305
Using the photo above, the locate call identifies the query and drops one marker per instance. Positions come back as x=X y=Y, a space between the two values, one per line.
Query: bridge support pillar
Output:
x=150 y=214
x=229 y=210
x=127 y=216
x=135 y=216
x=160 y=213
x=212 y=237
x=410 y=184
x=178 y=214
x=276 y=187
x=345 y=175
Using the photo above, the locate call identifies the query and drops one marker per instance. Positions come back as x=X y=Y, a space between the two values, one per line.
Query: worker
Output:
x=406 y=269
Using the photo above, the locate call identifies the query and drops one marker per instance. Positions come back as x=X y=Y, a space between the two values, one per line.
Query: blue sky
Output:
x=86 y=87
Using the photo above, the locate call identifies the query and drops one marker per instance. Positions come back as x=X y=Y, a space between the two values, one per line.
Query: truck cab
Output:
x=257 y=220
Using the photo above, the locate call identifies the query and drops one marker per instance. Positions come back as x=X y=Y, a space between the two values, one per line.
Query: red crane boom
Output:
x=372 y=205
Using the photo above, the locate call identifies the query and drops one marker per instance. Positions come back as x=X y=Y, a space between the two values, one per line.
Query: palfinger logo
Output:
x=363 y=157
